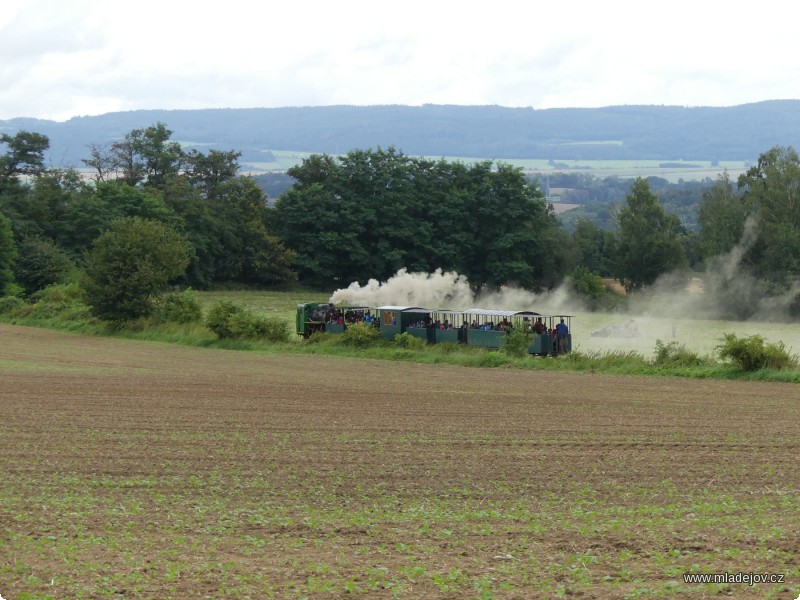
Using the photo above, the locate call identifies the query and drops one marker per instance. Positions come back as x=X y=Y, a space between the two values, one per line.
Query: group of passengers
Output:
x=430 y=323
x=350 y=317
x=504 y=325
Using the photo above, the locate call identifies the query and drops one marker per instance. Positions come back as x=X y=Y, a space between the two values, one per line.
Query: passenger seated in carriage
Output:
x=538 y=327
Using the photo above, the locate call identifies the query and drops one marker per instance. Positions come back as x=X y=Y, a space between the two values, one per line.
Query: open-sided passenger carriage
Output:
x=316 y=317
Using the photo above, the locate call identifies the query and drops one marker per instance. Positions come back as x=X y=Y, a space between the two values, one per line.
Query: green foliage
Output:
x=209 y=171
x=517 y=342
x=591 y=289
x=374 y=212
x=250 y=253
x=24 y=155
x=219 y=317
x=408 y=341
x=648 y=244
x=770 y=195
x=722 y=216
x=42 y=263
x=250 y=326
x=10 y=304
x=143 y=156
x=591 y=247
x=65 y=293
x=130 y=265
x=8 y=255
x=360 y=335
x=753 y=353
x=60 y=302
x=676 y=355
x=179 y=307
x=232 y=321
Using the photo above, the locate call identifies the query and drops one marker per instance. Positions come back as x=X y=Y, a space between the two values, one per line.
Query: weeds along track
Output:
x=141 y=469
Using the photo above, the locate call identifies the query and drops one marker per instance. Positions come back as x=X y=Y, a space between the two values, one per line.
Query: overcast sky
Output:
x=65 y=58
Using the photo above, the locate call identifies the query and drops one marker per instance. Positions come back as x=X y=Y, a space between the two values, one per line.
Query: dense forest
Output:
x=616 y=132
x=154 y=214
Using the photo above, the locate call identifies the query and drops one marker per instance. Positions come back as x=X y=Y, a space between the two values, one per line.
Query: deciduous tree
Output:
x=8 y=254
x=649 y=244
x=772 y=195
x=24 y=155
x=129 y=265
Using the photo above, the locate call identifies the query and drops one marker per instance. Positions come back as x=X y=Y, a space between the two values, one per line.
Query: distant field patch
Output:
x=669 y=169
x=594 y=143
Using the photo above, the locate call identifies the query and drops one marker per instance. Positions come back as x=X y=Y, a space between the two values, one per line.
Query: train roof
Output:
x=405 y=308
x=485 y=312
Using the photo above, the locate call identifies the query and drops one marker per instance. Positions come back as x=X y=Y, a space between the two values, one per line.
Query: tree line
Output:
x=153 y=214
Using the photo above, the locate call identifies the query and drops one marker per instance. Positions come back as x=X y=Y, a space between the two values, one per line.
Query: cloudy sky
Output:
x=65 y=58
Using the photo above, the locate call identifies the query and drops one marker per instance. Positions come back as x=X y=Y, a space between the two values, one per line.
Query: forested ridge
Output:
x=615 y=132
x=154 y=214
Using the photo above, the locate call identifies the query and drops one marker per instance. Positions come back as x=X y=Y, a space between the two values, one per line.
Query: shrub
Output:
x=61 y=293
x=231 y=321
x=10 y=304
x=249 y=326
x=219 y=318
x=753 y=353
x=591 y=289
x=517 y=342
x=675 y=355
x=180 y=307
x=41 y=263
x=406 y=340
x=63 y=301
x=360 y=335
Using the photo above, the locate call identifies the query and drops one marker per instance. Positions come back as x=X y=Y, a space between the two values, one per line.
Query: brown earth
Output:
x=134 y=469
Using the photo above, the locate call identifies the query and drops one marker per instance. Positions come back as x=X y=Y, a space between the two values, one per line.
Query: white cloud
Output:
x=62 y=59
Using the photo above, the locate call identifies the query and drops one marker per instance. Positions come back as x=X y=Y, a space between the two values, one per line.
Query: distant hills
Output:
x=613 y=133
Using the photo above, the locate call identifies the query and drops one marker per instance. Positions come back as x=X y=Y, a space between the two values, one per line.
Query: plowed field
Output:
x=133 y=469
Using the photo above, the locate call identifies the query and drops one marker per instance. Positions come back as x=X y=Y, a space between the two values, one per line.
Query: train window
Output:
x=388 y=317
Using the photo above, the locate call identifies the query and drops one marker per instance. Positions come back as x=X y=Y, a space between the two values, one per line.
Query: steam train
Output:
x=551 y=334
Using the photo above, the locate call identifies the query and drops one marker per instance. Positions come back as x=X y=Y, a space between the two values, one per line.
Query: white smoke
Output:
x=439 y=289
x=450 y=290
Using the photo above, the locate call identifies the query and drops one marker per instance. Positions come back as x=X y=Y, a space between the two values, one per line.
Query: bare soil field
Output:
x=144 y=470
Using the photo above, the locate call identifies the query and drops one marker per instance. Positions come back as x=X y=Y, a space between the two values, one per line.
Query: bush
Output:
x=406 y=340
x=10 y=304
x=675 y=355
x=591 y=289
x=180 y=307
x=360 y=335
x=63 y=301
x=62 y=293
x=41 y=263
x=231 y=321
x=517 y=342
x=219 y=318
x=752 y=353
